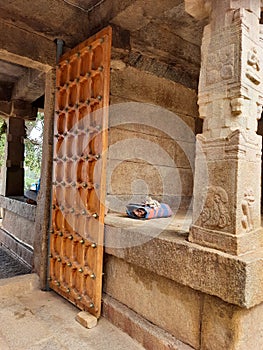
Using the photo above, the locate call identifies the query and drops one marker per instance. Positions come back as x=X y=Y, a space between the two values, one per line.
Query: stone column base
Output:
x=226 y=210
x=227 y=242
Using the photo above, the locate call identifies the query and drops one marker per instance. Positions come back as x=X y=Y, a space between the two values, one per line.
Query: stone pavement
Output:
x=10 y=266
x=34 y=320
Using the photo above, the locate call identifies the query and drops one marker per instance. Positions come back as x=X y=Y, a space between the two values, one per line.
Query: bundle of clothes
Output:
x=148 y=209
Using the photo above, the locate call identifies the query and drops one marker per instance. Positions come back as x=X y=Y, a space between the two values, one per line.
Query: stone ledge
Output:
x=20 y=208
x=236 y=280
x=19 y=285
x=149 y=335
x=19 y=248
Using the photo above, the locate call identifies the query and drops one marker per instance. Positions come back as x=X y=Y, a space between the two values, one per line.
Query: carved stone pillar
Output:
x=226 y=212
x=13 y=177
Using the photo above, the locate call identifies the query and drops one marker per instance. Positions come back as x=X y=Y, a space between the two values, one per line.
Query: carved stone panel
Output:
x=215 y=214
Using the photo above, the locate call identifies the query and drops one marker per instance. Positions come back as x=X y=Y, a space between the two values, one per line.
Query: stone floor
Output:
x=10 y=266
x=34 y=320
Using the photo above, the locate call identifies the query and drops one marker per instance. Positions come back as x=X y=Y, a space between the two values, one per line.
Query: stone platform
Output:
x=35 y=320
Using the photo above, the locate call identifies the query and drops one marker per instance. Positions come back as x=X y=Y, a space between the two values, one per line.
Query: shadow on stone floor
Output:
x=10 y=266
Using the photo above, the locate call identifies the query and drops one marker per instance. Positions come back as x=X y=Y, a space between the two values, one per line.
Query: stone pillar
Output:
x=13 y=177
x=226 y=211
x=44 y=196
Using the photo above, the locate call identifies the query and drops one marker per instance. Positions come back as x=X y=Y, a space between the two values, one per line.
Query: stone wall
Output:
x=169 y=293
x=196 y=319
x=151 y=138
x=18 y=228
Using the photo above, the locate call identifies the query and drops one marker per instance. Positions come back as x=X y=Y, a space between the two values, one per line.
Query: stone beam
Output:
x=26 y=48
x=53 y=18
x=21 y=109
x=30 y=86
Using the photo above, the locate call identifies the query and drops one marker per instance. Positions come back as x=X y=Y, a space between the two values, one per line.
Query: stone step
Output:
x=18 y=285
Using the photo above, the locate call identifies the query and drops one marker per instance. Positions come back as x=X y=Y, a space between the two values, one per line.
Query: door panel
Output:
x=79 y=173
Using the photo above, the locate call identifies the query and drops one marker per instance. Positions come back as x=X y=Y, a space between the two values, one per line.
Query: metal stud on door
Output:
x=79 y=172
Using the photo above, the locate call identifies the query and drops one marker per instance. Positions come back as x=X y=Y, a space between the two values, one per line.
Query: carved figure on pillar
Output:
x=216 y=213
x=253 y=66
x=247 y=209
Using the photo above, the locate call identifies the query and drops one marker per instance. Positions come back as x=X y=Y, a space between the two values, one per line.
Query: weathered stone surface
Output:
x=86 y=320
x=224 y=176
x=197 y=8
x=145 y=87
x=172 y=256
x=19 y=285
x=178 y=152
x=30 y=86
x=44 y=195
x=225 y=326
x=18 y=207
x=18 y=248
x=33 y=51
x=19 y=226
x=147 y=334
x=226 y=211
x=172 y=307
x=161 y=180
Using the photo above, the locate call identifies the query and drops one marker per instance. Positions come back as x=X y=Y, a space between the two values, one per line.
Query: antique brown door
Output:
x=79 y=173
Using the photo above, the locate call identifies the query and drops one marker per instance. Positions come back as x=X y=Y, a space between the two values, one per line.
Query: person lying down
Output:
x=148 y=209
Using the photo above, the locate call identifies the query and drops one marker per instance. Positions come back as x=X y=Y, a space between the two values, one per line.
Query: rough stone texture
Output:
x=35 y=320
x=225 y=326
x=44 y=196
x=41 y=57
x=18 y=285
x=165 y=251
x=150 y=148
x=172 y=307
x=147 y=88
x=86 y=320
x=20 y=227
x=18 y=207
x=10 y=266
x=227 y=179
x=147 y=334
x=227 y=189
x=19 y=249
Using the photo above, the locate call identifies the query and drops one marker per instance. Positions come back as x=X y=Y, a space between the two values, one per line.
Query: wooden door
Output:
x=79 y=173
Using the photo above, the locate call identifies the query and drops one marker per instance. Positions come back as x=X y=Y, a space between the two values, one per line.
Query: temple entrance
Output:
x=79 y=173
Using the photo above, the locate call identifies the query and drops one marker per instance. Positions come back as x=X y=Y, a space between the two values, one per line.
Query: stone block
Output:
x=19 y=285
x=166 y=304
x=20 y=227
x=137 y=177
x=147 y=88
x=129 y=141
x=147 y=334
x=125 y=144
x=86 y=320
x=225 y=326
x=235 y=279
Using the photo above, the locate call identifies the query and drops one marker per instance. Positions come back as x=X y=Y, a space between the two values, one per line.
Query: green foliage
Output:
x=33 y=150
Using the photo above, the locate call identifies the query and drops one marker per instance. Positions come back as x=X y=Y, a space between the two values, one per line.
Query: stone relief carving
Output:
x=220 y=65
x=253 y=66
x=247 y=209
x=216 y=212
